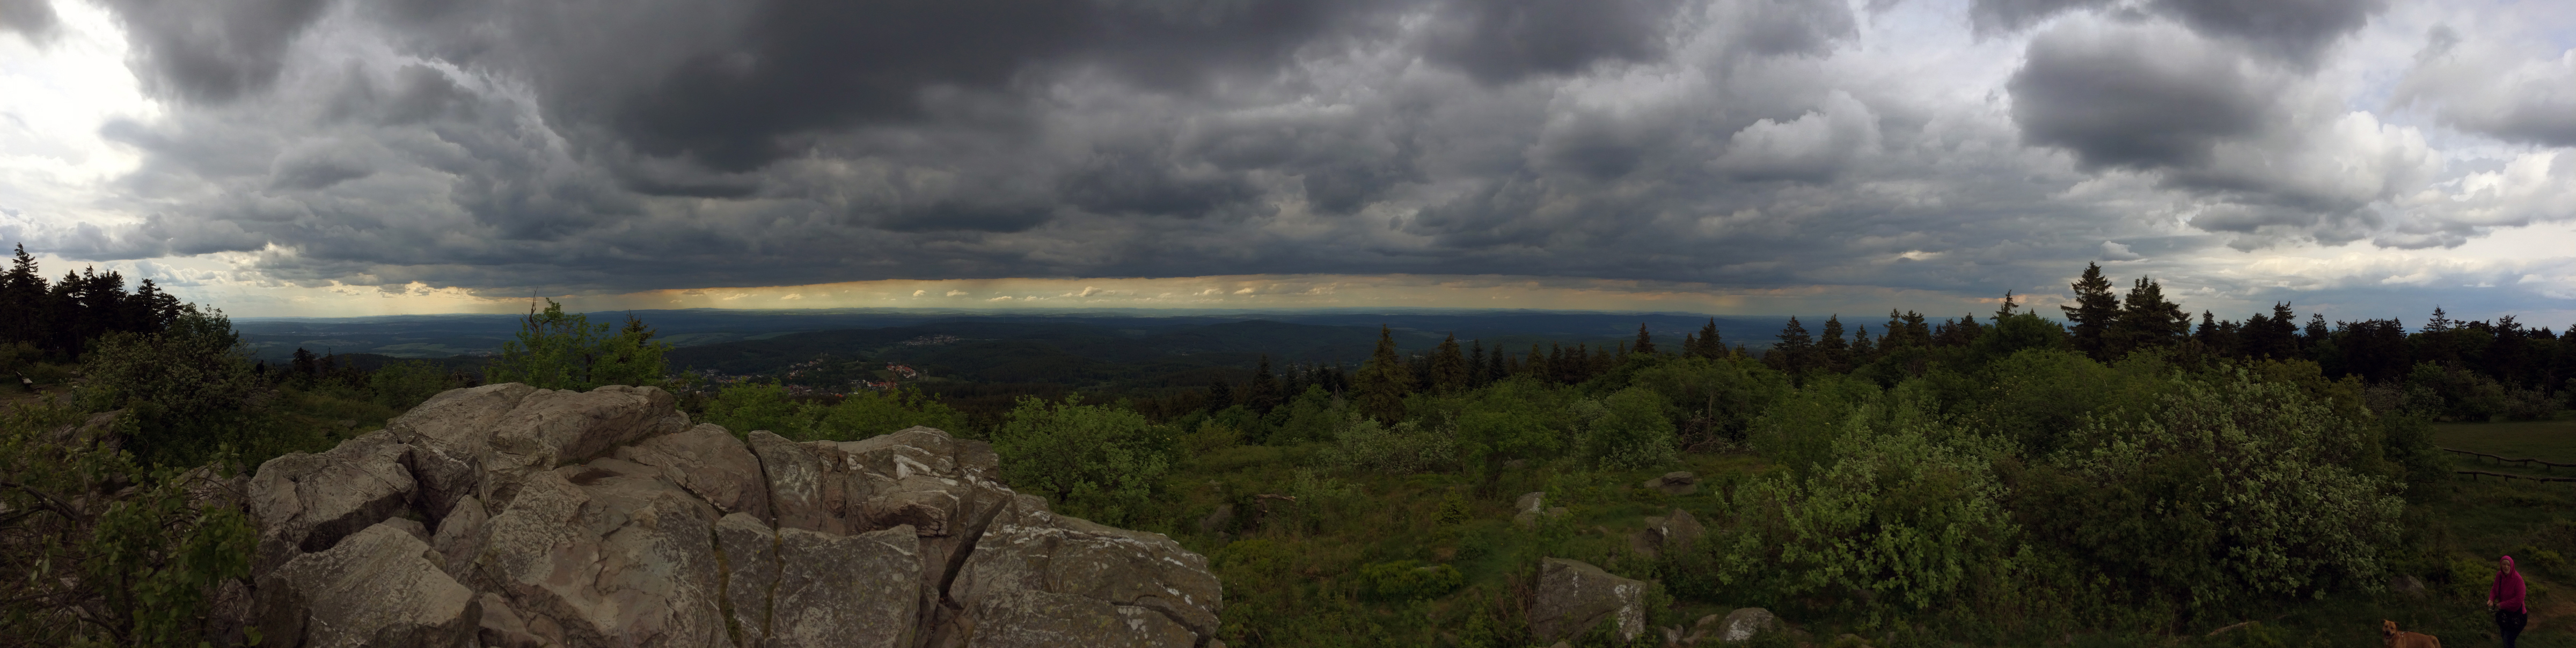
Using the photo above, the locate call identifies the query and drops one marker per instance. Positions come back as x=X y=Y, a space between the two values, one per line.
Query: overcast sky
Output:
x=2366 y=158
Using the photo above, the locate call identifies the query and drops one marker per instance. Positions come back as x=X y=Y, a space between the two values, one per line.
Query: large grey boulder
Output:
x=376 y=587
x=308 y=502
x=1744 y=623
x=511 y=516
x=1028 y=548
x=1573 y=596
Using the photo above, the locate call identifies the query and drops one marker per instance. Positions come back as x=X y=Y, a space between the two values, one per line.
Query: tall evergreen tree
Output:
x=1645 y=341
x=1861 y=350
x=2274 y=336
x=1795 y=352
x=1476 y=364
x=1832 y=354
x=22 y=295
x=1709 y=345
x=1448 y=367
x=1382 y=384
x=2146 y=320
x=1263 y=393
x=1220 y=394
x=2093 y=314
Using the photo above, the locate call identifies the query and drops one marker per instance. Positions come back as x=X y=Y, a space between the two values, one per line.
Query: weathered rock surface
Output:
x=1742 y=624
x=511 y=516
x=1573 y=596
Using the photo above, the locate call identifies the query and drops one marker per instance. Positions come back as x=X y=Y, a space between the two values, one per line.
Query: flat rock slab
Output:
x=1573 y=596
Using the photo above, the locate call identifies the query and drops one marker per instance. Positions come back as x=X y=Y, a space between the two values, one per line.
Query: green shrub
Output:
x=2229 y=488
x=1632 y=432
x=187 y=389
x=1406 y=580
x=1094 y=462
x=870 y=413
x=558 y=350
x=748 y=406
x=1894 y=514
x=103 y=551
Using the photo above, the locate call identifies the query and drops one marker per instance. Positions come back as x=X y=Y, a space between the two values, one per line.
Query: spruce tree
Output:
x=1709 y=345
x=1263 y=393
x=2093 y=314
x=1220 y=395
x=1831 y=353
x=1794 y=352
x=1476 y=364
x=22 y=295
x=2146 y=320
x=1382 y=384
x=1861 y=351
x=1448 y=367
x=1645 y=341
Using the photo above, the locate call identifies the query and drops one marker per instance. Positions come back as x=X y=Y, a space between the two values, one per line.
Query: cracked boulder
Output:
x=506 y=515
x=1573 y=596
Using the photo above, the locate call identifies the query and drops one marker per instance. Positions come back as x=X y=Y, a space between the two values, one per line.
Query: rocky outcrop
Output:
x=1573 y=596
x=510 y=516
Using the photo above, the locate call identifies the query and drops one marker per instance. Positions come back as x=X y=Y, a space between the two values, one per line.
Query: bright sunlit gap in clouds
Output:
x=1718 y=156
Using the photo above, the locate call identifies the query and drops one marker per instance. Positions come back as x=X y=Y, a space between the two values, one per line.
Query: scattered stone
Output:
x=1573 y=596
x=1675 y=483
x=1742 y=624
x=1679 y=530
x=2408 y=586
x=1217 y=521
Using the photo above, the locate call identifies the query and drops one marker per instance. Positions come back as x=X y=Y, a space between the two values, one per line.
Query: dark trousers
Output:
x=2510 y=624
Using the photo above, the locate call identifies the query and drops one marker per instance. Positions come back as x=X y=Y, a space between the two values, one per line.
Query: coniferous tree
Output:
x=1832 y=354
x=1476 y=363
x=1645 y=341
x=1861 y=351
x=1535 y=364
x=1382 y=384
x=22 y=294
x=1263 y=393
x=1220 y=394
x=1448 y=367
x=2092 y=316
x=1709 y=345
x=2275 y=336
x=1795 y=352
x=2146 y=320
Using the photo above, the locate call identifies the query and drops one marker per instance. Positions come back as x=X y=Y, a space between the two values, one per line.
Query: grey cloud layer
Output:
x=592 y=145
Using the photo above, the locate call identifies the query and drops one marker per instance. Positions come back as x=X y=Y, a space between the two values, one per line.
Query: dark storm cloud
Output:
x=212 y=50
x=2135 y=98
x=30 y=18
x=2293 y=30
x=1504 y=40
x=611 y=145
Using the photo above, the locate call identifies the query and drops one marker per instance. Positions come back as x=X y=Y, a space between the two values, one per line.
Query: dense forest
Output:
x=2121 y=474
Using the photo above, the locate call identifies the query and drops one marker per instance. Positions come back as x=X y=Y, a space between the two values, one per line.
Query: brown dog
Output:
x=2393 y=638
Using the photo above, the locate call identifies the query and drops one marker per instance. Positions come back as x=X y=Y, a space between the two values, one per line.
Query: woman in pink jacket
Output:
x=2505 y=597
